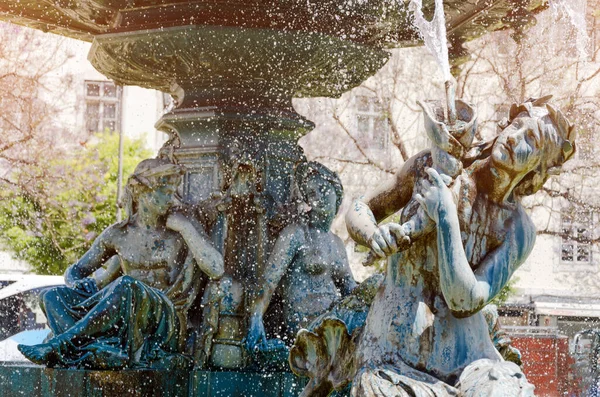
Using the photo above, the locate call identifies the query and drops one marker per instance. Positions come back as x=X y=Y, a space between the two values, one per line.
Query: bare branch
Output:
x=358 y=146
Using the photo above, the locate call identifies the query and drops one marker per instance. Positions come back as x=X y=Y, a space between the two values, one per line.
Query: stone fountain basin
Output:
x=232 y=60
x=363 y=21
x=291 y=47
x=372 y=22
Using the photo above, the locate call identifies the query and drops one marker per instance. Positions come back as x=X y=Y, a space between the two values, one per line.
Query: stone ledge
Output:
x=37 y=381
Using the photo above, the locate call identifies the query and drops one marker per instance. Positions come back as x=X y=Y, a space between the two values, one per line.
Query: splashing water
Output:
x=433 y=33
x=574 y=11
x=434 y=36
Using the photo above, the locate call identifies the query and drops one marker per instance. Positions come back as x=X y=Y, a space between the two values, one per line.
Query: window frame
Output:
x=573 y=230
x=103 y=101
x=372 y=113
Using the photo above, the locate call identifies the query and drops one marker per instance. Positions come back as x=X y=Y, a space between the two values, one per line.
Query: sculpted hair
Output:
x=141 y=180
x=550 y=120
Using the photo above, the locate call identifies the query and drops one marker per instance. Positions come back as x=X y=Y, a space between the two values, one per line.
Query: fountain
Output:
x=232 y=69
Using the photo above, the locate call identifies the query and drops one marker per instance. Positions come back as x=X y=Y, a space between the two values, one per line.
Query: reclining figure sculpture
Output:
x=135 y=314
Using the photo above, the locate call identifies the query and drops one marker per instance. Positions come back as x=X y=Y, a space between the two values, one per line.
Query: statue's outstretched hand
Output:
x=435 y=194
x=388 y=239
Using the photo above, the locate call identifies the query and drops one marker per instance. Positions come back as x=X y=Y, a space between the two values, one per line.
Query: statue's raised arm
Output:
x=436 y=339
x=362 y=219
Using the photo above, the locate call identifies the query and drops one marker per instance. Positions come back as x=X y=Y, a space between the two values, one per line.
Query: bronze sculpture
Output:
x=436 y=341
x=135 y=314
x=425 y=333
x=307 y=259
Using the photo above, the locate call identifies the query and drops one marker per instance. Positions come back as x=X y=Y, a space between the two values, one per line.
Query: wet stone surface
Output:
x=34 y=381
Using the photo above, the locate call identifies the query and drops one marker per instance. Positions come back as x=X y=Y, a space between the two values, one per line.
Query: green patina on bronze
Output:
x=308 y=265
x=36 y=381
x=426 y=332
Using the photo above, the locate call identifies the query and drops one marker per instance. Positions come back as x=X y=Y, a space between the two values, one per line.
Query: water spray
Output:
x=569 y=9
x=434 y=37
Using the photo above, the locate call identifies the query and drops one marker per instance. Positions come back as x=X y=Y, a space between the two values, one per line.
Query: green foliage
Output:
x=52 y=225
x=506 y=292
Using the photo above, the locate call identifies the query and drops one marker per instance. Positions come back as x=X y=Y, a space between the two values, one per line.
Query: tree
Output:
x=31 y=88
x=499 y=71
x=57 y=183
x=51 y=226
x=390 y=97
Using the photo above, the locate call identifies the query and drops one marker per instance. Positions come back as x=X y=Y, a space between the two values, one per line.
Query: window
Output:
x=585 y=146
x=102 y=106
x=586 y=134
x=505 y=45
x=371 y=123
x=576 y=230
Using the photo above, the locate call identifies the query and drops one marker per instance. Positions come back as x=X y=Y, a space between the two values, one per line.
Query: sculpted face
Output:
x=160 y=197
x=321 y=197
x=524 y=144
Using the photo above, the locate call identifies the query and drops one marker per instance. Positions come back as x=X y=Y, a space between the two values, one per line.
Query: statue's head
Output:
x=319 y=187
x=154 y=182
x=534 y=143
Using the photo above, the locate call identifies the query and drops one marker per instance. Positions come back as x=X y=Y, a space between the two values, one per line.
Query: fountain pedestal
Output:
x=235 y=130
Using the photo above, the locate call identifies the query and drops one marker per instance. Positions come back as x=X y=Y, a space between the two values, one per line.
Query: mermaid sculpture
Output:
x=308 y=260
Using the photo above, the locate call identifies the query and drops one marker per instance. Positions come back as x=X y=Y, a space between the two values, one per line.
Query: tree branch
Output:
x=357 y=145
